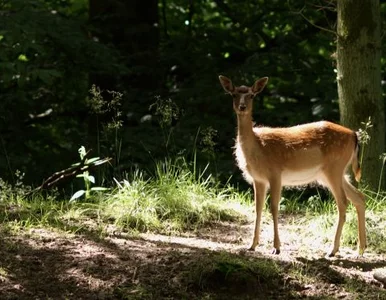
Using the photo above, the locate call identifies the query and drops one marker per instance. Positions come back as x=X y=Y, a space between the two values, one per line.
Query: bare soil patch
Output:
x=44 y=264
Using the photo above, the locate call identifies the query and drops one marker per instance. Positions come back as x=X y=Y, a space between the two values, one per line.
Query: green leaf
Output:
x=91 y=160
x=99 y=188
x=22 y=57
x=91 y=178
x=82 y=152
x=78 y=194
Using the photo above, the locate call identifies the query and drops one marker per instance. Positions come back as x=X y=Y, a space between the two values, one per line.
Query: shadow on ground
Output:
x=42 y=264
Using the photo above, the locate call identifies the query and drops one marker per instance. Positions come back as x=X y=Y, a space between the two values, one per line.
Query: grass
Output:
x=175 y=199
x=179 y=198
x=246 y=277
x=240 y=274
x=228 y=267
x=320 y=215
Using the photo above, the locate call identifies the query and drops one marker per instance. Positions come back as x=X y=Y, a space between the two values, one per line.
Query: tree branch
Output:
x=300 y=12
x=72 y=171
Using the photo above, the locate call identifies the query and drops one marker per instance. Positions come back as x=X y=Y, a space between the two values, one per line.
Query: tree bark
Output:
x=359 y=78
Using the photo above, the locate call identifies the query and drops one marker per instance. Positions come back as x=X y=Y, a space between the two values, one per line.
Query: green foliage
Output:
x=364 y=138
x=166 y=110
x=60 y=61
x=108 y=123
x=87 y=178
x=45 y=60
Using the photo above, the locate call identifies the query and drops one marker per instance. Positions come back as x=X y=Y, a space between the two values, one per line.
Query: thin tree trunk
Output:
x=359 y=78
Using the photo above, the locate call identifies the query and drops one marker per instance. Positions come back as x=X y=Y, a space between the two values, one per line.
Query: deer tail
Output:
x=356 y=168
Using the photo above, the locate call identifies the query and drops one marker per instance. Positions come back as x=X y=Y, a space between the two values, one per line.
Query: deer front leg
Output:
x=275 y=192
x=259 y=194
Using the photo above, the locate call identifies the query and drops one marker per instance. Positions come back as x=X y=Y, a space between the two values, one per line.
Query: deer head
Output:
x=243 y=95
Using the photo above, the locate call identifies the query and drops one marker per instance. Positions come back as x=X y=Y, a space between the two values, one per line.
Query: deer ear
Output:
x=226 y=84
x=259 y=85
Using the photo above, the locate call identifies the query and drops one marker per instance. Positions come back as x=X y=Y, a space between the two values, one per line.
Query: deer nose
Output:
x=242 y=107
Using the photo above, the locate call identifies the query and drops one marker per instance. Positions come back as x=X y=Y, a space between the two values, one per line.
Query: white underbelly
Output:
x=300 y=177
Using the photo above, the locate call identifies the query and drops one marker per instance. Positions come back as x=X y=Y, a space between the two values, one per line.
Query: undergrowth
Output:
x=177 y=198
x=174 y=199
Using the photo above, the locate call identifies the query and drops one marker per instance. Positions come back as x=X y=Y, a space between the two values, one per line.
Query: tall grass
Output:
x=176 y=198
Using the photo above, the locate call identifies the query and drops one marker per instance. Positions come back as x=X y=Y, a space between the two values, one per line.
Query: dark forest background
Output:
x=137 y=80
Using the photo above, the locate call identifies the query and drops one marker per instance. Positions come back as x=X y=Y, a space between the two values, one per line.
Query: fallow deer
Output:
x=276 y=157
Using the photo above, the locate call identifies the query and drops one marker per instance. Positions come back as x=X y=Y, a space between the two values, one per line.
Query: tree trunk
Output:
x=359 y=78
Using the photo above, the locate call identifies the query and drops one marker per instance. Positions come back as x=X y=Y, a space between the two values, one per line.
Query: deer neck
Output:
x=245 y=135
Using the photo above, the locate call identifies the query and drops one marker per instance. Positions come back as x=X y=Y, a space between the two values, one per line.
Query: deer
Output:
x=271 y=157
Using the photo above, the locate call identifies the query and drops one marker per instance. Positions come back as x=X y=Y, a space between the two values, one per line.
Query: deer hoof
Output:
x=361 y=251
x=275 y=251
x=332 y=253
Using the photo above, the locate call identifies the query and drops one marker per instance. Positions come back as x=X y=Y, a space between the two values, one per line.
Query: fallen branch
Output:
x=84 y=165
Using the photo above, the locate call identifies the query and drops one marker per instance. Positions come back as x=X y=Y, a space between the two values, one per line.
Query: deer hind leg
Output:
x=259 y=191
x=335 y=184
x=358 y=200
x=275 y=192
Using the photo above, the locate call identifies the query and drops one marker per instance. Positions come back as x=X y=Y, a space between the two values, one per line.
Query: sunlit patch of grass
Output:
x=21 y=211
x=321 y=217
x=18 y=211
x=175 y=199
x=375 y=223
x=376 y=236
x=375 y=220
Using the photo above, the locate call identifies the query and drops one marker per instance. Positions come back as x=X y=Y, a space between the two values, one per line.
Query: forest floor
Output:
x=210 y=263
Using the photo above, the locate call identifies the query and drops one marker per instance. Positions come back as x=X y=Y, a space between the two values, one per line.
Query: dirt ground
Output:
x=43 y=264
